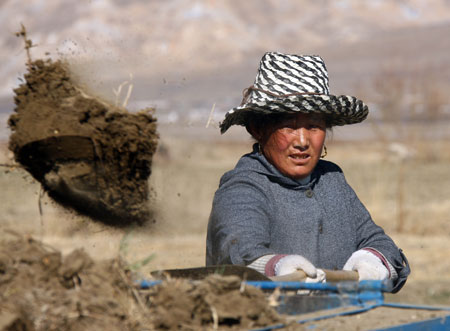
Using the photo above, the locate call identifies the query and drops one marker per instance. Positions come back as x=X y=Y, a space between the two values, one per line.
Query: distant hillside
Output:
x=185 y=55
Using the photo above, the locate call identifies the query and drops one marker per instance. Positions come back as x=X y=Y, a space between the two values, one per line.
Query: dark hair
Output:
x=266 y=122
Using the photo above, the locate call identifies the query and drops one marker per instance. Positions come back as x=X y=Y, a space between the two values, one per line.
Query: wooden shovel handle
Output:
x=332 y=276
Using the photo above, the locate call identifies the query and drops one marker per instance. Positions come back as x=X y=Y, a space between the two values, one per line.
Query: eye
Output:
x=316 y=126
x=287 y=124
x=287 y=130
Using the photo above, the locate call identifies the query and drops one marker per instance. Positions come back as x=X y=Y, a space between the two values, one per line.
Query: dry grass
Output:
x=379 y=177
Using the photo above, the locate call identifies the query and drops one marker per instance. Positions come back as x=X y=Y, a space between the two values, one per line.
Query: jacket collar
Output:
x=261 y=165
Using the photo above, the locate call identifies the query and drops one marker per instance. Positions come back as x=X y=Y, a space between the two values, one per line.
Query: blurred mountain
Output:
x=186 y=55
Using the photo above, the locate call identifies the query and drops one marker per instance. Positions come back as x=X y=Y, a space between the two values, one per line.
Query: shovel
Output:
x=249 y=274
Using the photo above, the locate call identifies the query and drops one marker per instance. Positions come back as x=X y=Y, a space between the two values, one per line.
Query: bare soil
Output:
x=90 y=156
x=40 y=289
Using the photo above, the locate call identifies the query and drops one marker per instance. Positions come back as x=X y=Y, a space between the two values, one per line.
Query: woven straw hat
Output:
x=294 y=83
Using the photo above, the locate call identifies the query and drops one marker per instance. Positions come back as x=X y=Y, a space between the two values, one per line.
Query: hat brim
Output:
x=339 y=110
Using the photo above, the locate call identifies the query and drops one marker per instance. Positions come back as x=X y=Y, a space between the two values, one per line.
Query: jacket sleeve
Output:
x=369 y=234
x=238 y=228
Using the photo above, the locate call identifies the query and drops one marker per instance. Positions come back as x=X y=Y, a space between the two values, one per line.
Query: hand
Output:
x=368 y=265
x=320 y=278
x=292 y=263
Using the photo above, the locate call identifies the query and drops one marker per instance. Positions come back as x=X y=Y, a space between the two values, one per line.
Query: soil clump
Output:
x=42 y=290
x=90 y=156
x=215 y=302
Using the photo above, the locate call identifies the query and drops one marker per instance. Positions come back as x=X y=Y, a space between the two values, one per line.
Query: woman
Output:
x=282 y=208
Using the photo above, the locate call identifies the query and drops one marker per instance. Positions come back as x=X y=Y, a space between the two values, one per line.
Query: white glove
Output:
x=292 y=263
x=368 y=266
x=320 y=278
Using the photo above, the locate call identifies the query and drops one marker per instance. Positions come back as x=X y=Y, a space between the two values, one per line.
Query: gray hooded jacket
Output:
x=258 y=211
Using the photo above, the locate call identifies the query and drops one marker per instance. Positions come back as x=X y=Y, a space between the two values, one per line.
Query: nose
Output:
x=301 y=138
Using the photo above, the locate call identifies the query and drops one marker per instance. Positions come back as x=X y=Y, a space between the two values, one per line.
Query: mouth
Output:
x=299 y=157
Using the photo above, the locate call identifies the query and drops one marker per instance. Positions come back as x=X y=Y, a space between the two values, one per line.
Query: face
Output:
x=294 y=144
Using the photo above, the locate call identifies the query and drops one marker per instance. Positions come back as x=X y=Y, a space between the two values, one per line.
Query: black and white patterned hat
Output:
x=294 y=83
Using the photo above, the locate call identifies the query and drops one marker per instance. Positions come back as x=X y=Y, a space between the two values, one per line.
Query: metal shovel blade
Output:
x=246 y=273
x=199 y=273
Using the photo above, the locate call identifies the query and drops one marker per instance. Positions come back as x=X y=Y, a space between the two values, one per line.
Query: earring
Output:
x=259 y=149
x=324 y=152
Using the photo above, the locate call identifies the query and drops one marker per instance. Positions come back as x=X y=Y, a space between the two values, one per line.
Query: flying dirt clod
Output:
x=89 y=156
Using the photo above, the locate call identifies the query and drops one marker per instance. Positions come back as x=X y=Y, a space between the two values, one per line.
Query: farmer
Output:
x=282 y=208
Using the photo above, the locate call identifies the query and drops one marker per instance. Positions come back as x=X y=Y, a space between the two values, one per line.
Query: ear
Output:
x=254 y=130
